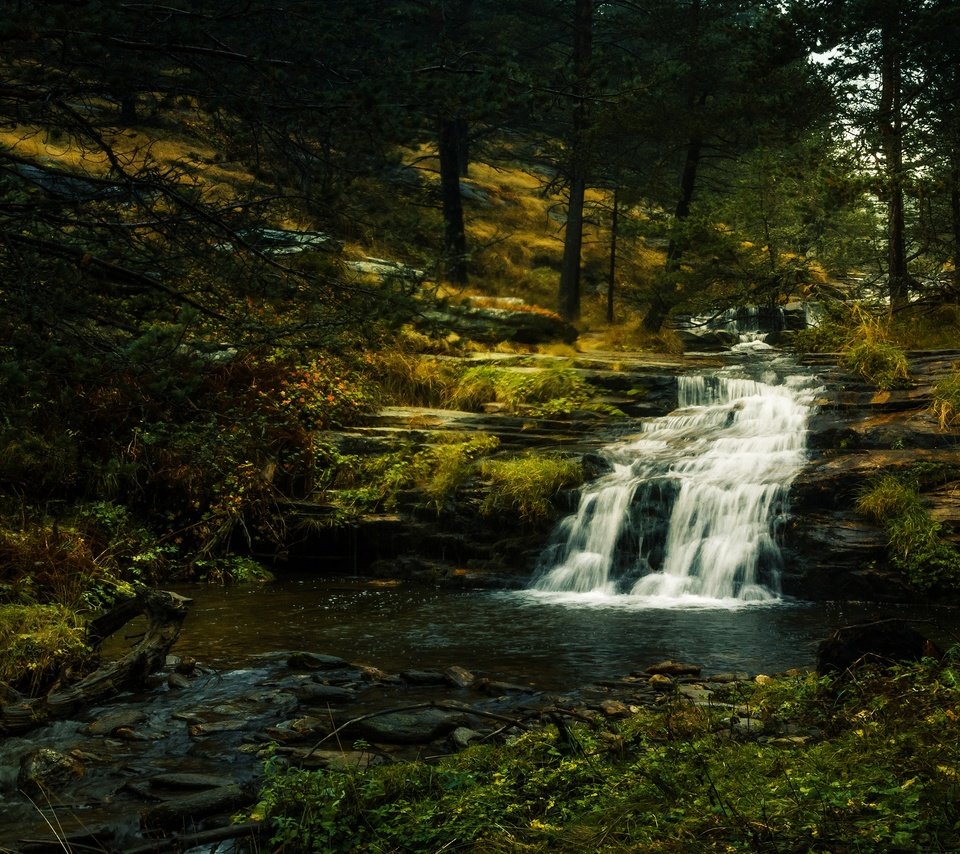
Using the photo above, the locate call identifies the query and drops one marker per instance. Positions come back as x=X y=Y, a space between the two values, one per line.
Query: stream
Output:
x=672 y=554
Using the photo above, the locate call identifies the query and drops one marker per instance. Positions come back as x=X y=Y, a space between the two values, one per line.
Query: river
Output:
x=558 y=641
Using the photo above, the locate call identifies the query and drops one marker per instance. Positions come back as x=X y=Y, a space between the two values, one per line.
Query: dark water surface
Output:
x=552 y=641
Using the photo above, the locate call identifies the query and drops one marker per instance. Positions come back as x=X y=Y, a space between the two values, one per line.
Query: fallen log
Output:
x=165 y=613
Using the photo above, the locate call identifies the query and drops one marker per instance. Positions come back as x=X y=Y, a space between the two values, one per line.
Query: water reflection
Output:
x=551 y=642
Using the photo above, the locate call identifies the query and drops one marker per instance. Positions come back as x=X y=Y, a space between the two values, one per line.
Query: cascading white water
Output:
x=719 y=468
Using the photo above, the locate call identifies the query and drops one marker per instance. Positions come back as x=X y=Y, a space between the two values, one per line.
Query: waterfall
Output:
x=690 y=508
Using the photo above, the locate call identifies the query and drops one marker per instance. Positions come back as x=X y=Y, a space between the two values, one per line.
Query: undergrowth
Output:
x=916 y=546
x=526 y=486
x=875 y=770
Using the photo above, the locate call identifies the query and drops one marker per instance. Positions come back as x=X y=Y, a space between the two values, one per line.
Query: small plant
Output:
x=945 y=403
x=872 y=353
x=916 y=546
x=527 y=485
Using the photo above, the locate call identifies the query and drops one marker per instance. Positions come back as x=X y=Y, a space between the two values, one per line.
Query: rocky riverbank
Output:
x=832 y=551
x=181 y=757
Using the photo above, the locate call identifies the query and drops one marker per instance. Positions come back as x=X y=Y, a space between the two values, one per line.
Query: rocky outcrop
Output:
x=493 y=325
x=831 y=551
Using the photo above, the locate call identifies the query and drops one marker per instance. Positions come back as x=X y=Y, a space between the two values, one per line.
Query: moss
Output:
x=37 y=642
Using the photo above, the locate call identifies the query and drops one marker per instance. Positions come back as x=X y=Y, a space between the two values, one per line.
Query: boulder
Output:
x=882 y=642
x=674 y=668
x=46 y=771
x=417 y=726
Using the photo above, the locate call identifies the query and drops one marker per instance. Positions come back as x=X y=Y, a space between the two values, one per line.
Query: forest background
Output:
x=196 y=203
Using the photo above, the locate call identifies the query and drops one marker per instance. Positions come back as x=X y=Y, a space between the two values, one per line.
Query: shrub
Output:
x=527 y=485
x=553 y=390
x=37 y=642
x=871 y=352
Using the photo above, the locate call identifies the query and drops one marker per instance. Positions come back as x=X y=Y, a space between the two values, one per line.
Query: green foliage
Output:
x=875 y=770
x=37 y=642
x=526 y=486
x=436 y=472
x=871 y=352
x=554 y=390
x=917 y=549
x=945 y=402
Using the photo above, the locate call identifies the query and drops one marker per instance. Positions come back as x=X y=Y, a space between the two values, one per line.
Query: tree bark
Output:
x=891 y=140
x=955 y=222
x=568 y=295
x=165 y=613
x=664 y=297
x=612 y=273
x=454 y=235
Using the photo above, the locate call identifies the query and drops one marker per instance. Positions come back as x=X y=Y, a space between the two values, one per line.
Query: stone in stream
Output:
x=109 y=723
x=423 y=677
x=311 y=692
x=315 y=661
x=190 y=781
x=459 y=677
x=45 y=771
x=417 y=726
x=673 y=668
x=300 y=729
x=177 y=812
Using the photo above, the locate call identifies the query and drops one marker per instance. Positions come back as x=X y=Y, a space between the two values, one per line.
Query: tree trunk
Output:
x=463 y=147
x=454 y=236
x=612 y=273
x=165 y=613
x=891 y=140
x=568 y=295
x=665 y=296
x=955 y=223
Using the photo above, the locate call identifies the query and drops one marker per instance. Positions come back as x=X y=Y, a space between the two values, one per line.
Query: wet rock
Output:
x=311 y=692
x=423 y=677
x=213 y=727
x=726 y=678
x=315 y=661
x=709 y=341
x=45 y=771
x=674 y=668
x=459 y=677
x=413 y=727
x=176 y=812
x=697 y=693
x=190 y=781
x=300 y=729
x=462 y=736
x=495 y=688
x=881 y=642
x=108 y=723
x=177 y=682
x=614 y=708
x=660 y=682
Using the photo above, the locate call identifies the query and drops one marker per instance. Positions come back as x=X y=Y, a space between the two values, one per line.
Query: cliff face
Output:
x=831 y=551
